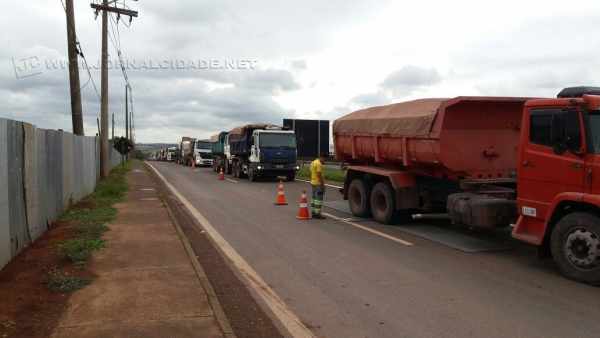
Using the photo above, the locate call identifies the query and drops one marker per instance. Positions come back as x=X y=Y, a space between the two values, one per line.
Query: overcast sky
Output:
x=308 y=59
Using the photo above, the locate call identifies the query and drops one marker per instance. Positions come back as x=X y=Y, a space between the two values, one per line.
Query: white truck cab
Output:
x=203 y=153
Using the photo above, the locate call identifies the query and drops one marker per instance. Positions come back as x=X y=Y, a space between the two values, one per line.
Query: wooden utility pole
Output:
x=76 y=111
x=113 y=127
x=126 y=112
x=105 y=8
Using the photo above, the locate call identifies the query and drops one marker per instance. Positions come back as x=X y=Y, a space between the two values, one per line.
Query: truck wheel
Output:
x=291 y=177
x=575 y=246
x=358 y=198
x=236 y=170
x=383 y=203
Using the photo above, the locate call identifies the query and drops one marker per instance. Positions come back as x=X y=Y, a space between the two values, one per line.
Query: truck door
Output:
x=550 y=160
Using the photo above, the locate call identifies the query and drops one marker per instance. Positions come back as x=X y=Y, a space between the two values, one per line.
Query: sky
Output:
x=198 y=67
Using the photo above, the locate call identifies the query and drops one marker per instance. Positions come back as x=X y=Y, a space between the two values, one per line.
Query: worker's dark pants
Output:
x=318 y=192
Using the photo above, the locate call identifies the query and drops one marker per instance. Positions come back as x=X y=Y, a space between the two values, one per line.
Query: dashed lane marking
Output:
x=373 y=231
x=279 y=308
x=230 y=180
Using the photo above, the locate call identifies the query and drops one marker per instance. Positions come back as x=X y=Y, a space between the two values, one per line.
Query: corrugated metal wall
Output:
x=42 y=173
x=5 y=247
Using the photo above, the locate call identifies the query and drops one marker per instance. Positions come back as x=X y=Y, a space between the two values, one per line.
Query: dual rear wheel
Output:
x=379 y=201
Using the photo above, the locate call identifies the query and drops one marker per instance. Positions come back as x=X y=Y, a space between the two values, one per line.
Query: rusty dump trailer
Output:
x=452 y=156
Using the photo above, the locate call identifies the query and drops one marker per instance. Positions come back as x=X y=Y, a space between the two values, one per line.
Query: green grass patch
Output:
x=79 y=250
x=89 y=219
x=330 y=174
x=58 y=281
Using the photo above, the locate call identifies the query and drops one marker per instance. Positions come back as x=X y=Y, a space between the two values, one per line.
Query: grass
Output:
x=89 y=219
x=79 y=250
x=58 y=281
x=330 y=174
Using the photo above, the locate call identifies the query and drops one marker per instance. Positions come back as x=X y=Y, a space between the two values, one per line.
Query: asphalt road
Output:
x=343 y=281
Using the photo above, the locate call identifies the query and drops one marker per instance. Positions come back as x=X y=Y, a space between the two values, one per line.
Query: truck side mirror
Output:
x=559 y=148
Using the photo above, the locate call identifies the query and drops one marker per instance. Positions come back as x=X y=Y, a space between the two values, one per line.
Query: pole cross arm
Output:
x=117 y=10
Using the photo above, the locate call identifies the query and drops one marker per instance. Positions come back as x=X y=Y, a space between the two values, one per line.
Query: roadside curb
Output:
x=213 y=300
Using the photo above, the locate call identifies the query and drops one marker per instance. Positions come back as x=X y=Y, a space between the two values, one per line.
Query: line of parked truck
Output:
x=483 y=162
x=251 y=151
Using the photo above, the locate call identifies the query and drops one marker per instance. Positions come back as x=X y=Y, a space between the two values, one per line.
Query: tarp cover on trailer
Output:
x=411 y=118
x=240 y=132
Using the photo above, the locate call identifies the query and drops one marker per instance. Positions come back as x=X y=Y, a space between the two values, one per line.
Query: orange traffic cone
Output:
x=303 y=212
x=280 y=195
x=221 y=175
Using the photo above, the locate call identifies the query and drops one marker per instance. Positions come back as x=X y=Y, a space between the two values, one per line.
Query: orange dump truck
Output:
x=484 y=162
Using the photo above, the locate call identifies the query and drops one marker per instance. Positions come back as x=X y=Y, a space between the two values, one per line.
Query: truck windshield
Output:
x=594 y=132
x=274 y=140
x=203 y=145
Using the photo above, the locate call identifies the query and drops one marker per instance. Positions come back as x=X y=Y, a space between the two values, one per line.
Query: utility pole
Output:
x=76 y=111
x=126 y=112
x=113 y=127
x=105 y=8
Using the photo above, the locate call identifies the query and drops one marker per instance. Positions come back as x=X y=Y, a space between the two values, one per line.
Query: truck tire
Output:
x=235 y=170
x=227 y=168
x=358 y=198
x=251 y=175
x=383 y=203
x=575 y=247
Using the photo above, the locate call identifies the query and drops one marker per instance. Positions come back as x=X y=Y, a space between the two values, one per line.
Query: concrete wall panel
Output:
x=5 y=247
x=42 y=177
x=19 y=232
x=32 y=187
x=42 y=172
x=68 y=170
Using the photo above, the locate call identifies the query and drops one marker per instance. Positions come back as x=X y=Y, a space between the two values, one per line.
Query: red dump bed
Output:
x=463 y=137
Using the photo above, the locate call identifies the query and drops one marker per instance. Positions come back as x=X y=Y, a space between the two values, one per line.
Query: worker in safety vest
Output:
x=318 y=186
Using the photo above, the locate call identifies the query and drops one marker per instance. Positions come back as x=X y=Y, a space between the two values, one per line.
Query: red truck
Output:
x=484 y=162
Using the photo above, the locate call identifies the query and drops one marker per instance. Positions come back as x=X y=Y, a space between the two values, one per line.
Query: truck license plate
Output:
x=279 y=166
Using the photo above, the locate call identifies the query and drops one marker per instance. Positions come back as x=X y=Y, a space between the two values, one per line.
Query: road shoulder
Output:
x=246 y=317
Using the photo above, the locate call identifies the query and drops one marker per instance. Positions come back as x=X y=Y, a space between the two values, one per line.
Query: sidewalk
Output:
x=147 y=284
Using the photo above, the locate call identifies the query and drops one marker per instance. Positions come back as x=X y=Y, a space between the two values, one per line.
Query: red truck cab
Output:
x=558 y=190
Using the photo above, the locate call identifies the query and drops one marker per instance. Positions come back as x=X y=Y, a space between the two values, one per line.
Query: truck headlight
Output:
x=297 y=167
x=259 y=167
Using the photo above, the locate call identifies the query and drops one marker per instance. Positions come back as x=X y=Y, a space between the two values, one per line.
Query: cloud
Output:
x=315 y=59
x=371 y=99
x=299 y=64
x=409 y=79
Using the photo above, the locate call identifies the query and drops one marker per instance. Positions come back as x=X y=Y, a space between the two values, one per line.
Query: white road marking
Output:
x=327 y=185
x=230 y=180
x=288 y=319
x=373 y=231
x=147 y=189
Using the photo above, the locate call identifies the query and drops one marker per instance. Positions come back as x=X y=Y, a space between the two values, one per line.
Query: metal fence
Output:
x=42 y=173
